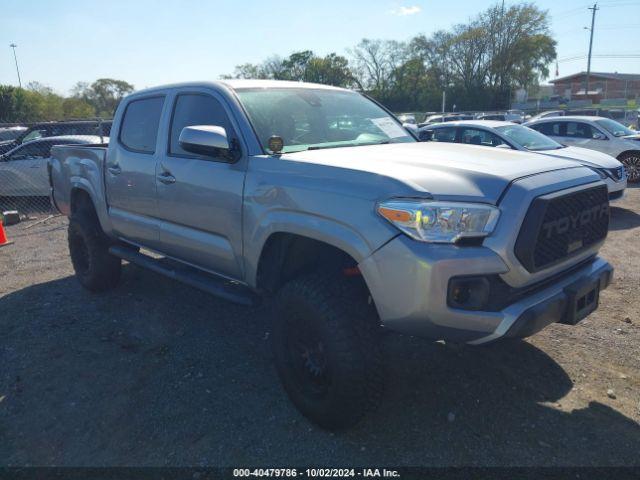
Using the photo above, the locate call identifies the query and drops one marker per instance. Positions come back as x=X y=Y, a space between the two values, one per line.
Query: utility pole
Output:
x=13 y=45
x=444 y=99
x=593 y=9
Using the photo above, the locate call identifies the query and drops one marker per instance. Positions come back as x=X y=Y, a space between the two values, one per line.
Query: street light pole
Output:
x=593 y=9
x=13 y=45
x=444 y=99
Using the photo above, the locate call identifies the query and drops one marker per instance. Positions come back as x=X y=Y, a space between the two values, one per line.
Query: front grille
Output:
x=560 y=225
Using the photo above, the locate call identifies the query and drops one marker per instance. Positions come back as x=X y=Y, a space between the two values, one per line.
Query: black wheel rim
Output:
x=80 y=254
x=307 y=355
x=632 y=166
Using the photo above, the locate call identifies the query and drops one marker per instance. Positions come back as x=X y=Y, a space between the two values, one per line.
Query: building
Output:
x=602 y=86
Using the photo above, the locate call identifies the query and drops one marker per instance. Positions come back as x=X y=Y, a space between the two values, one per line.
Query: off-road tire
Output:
x=631 y=162
x=95 y=268
x=336 y=309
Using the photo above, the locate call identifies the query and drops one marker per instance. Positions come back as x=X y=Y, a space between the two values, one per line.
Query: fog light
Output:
x=468 y=293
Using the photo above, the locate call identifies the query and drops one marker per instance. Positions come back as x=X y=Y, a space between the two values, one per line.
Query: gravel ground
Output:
x=156 y=373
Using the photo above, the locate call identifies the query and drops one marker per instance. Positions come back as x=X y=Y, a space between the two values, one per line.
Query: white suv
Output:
x=596 y=133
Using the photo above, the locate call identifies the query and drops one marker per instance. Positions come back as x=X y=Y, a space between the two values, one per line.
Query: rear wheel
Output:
x=327 y=349
x=631 y=162
x=95 y=268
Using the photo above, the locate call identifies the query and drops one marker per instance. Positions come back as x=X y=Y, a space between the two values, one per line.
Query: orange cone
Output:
x=3 y=237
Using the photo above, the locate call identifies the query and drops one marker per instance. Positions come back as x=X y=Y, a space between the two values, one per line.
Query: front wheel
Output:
x=631 y=162
x=327 y=349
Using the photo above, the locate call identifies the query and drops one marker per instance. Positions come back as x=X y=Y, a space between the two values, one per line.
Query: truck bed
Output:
x=74 y=166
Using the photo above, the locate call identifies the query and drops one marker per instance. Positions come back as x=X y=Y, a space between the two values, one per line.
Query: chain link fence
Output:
x=25 y=150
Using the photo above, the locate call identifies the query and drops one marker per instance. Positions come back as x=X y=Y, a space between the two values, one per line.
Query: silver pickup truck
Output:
x=316 y=199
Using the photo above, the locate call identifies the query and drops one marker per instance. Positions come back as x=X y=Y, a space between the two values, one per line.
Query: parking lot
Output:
x=156 y=373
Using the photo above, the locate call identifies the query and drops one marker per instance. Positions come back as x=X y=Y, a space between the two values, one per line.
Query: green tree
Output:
x=74 y=108
x=304 y=66
x=104 y=94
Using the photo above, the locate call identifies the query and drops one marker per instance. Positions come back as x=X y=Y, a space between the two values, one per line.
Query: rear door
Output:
x=554 y=130
x=200 y=197
x=130 y=175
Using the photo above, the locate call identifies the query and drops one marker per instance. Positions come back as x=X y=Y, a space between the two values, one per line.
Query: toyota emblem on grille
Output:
x=575 y=221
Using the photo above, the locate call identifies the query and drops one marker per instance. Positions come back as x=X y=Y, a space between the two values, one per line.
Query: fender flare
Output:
x=323 y=229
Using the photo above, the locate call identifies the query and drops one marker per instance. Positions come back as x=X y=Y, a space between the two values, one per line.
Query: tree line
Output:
x=479 y=64
x=38 y=102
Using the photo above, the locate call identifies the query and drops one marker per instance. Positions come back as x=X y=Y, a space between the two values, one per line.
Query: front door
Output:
x=130 y=175
x=200 y=197
x=580 y=134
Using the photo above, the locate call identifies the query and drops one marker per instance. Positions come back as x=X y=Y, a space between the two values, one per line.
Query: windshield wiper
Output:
x=322 y=147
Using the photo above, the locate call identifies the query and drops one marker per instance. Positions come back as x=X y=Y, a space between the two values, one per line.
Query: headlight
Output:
x=440 y=222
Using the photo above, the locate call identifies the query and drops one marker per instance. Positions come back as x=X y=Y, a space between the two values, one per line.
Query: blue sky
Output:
x=152 y=42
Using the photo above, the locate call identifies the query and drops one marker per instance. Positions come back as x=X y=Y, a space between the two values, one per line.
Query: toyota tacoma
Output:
x=317 y=200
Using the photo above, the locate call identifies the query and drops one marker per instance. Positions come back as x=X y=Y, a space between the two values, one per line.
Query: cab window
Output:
x=139 y=129
x=196 y=109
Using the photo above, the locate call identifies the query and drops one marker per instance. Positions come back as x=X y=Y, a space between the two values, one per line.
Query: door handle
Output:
x=167 y=178
x=115 y=169
x=34 y=166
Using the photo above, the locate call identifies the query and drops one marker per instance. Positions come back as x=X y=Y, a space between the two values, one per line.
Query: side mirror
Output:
x=208 y=140
x=599 y=136
x=504 y=146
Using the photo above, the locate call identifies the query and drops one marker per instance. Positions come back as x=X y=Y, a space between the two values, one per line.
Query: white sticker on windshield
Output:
x=388 y=126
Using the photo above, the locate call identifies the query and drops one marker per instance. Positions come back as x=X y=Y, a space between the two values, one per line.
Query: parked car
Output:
x=518 y=137
x=547 y=114
x=596 y=133
x=23 y=170
x=492 y=116
x=515 y=116
x=8 y=134
x=56 y=129
x=447 y=117
x=407 y=118
x=249 y=190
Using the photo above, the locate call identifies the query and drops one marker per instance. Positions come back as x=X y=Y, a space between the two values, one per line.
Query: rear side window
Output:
x=474 y=136
x=196 y=109
x=139 y=129
x=447 y=134
x=550 y=128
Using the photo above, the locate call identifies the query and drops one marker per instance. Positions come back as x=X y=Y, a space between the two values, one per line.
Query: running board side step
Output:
x=218 y=286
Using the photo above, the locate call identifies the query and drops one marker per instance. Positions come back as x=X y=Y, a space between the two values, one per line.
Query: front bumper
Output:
x=408 y=281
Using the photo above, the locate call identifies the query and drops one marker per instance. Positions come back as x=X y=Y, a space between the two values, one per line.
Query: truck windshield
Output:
x=528 y=138
x=318 y=118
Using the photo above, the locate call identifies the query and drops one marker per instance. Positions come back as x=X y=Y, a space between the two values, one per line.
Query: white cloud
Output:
x=404 y=11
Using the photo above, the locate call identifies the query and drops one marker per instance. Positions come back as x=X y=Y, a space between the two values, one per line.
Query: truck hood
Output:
x=585 y=156
x=440 y=169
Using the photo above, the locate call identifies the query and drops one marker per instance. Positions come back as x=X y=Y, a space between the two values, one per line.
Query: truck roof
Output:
x=237 y=84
